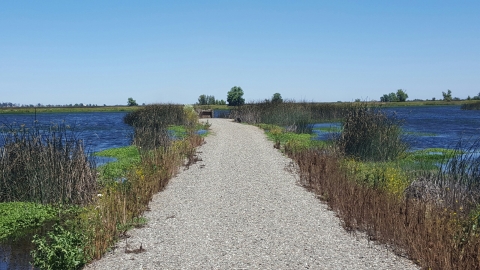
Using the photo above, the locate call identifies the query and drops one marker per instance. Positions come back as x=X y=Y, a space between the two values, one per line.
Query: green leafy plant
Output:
x=17 y=217
x=60 y=249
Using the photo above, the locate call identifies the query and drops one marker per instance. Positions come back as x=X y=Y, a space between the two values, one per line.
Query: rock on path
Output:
x=238 y=208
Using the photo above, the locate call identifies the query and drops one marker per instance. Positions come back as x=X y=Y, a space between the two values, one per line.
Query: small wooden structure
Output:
x=206 y=114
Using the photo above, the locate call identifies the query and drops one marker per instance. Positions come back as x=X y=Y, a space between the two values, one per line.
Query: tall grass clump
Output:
x=45 y=166
x=371 y=135
x=151 y=123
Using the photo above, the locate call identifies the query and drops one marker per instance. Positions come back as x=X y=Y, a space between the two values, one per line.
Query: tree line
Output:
x=234 y=98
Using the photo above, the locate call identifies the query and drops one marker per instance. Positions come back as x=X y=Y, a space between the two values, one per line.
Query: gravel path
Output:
x=238 y=208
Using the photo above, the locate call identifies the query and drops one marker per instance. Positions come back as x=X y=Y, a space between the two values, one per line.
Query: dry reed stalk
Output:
x=434 y=237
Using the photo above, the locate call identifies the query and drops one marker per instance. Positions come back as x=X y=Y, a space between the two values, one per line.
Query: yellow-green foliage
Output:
x=383 y=175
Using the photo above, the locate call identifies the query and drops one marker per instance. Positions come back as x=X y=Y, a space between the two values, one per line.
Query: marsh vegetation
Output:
x=53 y=169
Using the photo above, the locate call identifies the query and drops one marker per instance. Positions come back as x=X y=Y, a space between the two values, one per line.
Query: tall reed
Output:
x=371 y=135
x=45 y=166
x=151 y=123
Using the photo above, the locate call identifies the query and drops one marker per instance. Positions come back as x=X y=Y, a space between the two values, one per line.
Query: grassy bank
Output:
x=404 y=199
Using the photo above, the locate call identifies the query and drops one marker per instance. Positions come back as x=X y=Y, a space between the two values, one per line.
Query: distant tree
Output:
x=277 y=98
x=220 y=102
x=206 y=100
x=357 y=100
x=131 y=102
x=447 y=96
x=401 y=95
x=392 y=97
x=202 y=100
x=235 y=96
x=211 y=100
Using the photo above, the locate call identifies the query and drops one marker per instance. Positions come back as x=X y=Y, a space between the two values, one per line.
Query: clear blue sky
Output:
x=103 y=52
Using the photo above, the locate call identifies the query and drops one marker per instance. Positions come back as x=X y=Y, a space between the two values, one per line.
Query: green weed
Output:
x=126 y=158
x=17 y=217
x=60 y=249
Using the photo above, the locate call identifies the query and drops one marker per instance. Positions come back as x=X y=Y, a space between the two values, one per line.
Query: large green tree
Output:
x=235 y=96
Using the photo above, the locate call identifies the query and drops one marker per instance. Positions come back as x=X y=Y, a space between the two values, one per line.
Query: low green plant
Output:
x=59 y=249
x=126 y=158
x=17 y=217
x=431 y=155
x=291 y=141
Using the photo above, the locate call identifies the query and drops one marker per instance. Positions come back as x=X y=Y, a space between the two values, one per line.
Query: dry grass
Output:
x=434 y=237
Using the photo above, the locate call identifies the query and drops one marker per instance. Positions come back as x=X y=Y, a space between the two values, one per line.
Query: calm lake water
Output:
x=426 y=127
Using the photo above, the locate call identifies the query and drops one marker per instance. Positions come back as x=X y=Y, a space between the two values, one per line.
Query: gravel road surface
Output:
x=238 y=208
